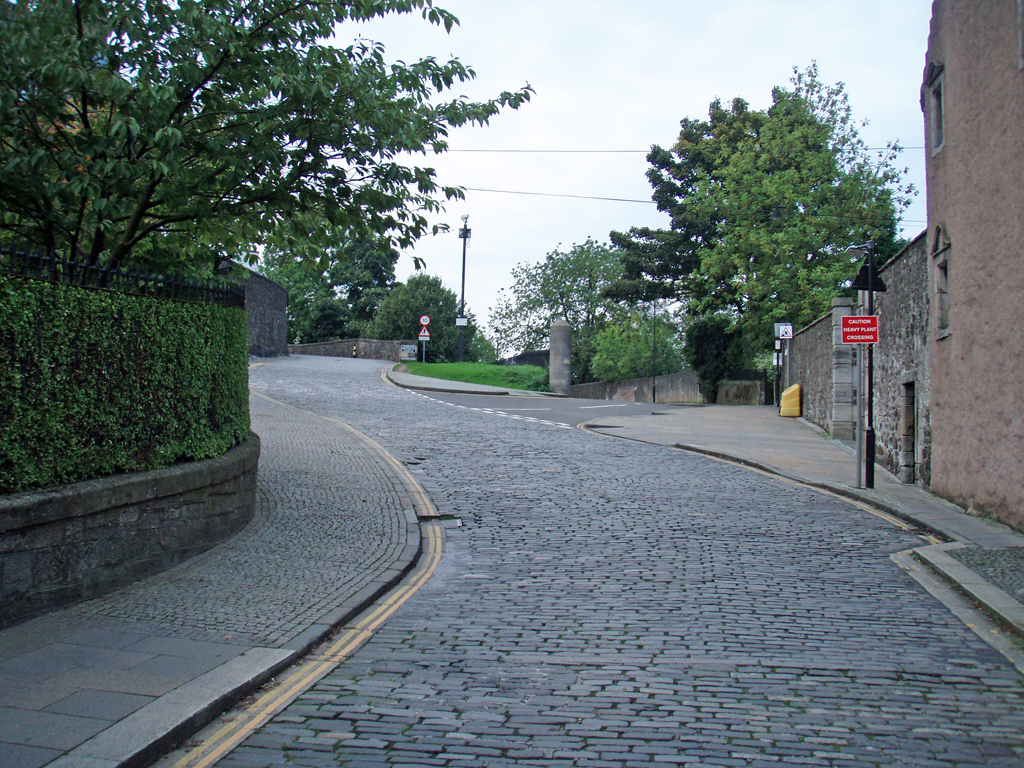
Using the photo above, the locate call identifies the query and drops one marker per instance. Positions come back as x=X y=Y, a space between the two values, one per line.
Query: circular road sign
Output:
x=425 y=320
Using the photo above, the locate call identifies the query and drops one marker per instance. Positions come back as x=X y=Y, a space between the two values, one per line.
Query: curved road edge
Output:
x=149 y=733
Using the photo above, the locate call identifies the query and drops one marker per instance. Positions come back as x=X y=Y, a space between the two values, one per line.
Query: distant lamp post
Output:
x=464 y=235
x=654 y=351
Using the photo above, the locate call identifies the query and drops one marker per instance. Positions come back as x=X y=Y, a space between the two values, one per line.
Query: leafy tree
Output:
x=565 y=285
x=398 y=317
x=338 y=302
x=480 y=348
x=714 y=346
x=762 y=205
x=163 y=134
x=626 y=349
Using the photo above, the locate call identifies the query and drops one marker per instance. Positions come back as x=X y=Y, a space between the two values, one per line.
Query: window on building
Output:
x=940 y=259
x=1020 y=34
x=933 y=102
x=938 y=128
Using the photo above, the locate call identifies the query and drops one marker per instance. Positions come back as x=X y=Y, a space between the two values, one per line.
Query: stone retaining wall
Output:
x=367 y=349
x=78 y=541
x=741 y=393
x=680 y=387
x=902 y=367
x=810 y=365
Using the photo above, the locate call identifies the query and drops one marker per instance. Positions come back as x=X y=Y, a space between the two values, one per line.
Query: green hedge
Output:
x=94 y=383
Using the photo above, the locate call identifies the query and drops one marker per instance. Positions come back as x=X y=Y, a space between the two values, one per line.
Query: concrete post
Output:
x=844 y=392
x=560 y=367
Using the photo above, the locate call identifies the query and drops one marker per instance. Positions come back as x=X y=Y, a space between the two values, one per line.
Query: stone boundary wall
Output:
x=741 y=393
x=680 y=387
x=810 y=366
x=823 y=367
x=366 y=349
x=902 y=365
x=267 y=305
x=78 y=541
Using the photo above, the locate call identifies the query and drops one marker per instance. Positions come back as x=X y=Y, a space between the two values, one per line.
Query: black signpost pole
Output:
x=464 y=235
x=868 y=280
x=869 y=433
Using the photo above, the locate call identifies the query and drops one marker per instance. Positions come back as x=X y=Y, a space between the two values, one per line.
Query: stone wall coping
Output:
x=22 y=510
x=904 y=251
x=349 y=341
x=823 y=318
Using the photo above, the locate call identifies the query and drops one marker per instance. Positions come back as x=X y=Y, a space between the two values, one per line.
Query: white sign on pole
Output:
x=424 y=334
x=784 y=330
x=461 y=321
x=424 y=320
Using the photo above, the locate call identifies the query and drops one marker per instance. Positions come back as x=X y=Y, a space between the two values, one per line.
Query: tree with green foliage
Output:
x=165 y=134
x=480 y=348
x=714 y=346
x=763 y=204
x=636 y=347
x=338 y=302
x=567 y=285
x=398 y=317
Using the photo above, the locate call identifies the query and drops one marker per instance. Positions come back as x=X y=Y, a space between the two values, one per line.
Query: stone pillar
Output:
x=844 y=393
x=560 y=367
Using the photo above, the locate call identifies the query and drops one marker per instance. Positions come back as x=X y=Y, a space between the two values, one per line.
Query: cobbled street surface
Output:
x=311 y=545
x=611 y=603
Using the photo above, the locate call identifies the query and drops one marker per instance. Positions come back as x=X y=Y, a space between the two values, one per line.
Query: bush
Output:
x=94 y=382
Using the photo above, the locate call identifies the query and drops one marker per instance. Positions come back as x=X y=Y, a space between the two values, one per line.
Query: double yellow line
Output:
x=249 y=718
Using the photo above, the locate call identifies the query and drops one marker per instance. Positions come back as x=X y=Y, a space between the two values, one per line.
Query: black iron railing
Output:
x=42 y=264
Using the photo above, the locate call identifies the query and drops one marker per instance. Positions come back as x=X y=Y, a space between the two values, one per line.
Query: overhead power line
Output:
x=602 y=151
x=555 y=194
x=594 y=197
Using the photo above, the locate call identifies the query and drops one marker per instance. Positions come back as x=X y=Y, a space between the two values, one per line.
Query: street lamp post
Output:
x=868 y=280
x=464 y=234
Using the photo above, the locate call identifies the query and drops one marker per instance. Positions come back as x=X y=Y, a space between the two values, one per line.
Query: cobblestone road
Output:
x=312 y=544
x=610 y=603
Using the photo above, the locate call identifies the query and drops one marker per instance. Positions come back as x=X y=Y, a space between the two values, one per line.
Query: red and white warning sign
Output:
x=860 y=329
x=424 y=333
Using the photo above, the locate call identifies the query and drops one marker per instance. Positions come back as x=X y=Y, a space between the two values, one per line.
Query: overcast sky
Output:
x=613 y=78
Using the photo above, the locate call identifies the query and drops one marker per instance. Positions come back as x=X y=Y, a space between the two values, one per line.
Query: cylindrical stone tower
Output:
x=561 y=357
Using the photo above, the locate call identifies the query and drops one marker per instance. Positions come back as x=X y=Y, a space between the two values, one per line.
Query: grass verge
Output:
x=529 y=377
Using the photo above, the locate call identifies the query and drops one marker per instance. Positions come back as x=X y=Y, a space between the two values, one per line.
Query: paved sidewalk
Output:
x=983 y=557
x=117 y=680
x=427 y=384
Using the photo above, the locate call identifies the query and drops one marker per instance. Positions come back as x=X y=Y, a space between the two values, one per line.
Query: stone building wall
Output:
x=267 y=305
x=973 y=99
